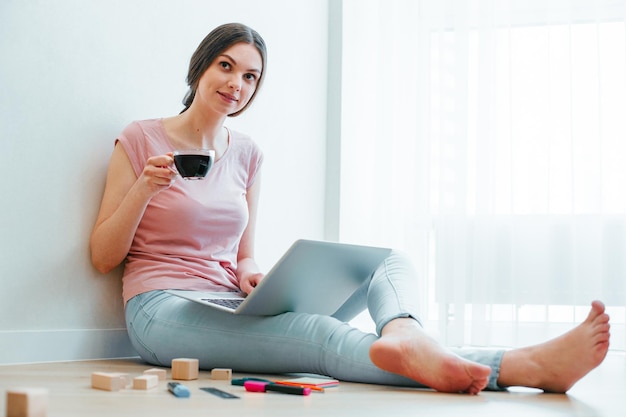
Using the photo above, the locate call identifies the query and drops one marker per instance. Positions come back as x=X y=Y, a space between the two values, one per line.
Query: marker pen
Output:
x=178 y=390
x=241 y=381
x=258 y=386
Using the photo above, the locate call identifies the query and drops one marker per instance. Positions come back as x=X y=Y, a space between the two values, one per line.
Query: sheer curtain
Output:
x=487 y=139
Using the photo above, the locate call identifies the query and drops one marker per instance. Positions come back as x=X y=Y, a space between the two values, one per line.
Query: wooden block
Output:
x=185 y=369
x=108 y=381
x=161 y=373
x=145 y=381
x=222 y=373
x=27 y=402
x=126 y=378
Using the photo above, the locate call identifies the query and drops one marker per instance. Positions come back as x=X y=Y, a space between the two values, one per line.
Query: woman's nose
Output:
x=234 y=83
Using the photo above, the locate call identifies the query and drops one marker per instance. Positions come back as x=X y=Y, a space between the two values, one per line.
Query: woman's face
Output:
x=229 y=82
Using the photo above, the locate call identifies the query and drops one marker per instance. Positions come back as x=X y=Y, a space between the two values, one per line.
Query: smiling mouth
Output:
x=228 y=97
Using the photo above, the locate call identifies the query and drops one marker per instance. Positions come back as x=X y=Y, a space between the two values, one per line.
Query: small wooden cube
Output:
x=108 y=381
x=161 y=373
x=126 y=378
x=145 y=381
x=222 y=373
x=185 y=369
x=27 y=402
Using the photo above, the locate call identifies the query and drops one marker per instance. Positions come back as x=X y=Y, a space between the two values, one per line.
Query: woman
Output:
x=199 y=235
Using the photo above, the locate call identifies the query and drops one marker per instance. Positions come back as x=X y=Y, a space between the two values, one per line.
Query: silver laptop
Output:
x=311 y=277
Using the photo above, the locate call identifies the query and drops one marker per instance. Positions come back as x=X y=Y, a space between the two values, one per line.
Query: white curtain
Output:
x=487 y=139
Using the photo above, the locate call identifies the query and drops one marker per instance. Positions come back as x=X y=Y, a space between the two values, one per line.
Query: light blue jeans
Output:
x=163 y=327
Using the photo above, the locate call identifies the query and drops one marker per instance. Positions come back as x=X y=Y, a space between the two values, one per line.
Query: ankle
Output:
x=519 y=367
x=400 y=324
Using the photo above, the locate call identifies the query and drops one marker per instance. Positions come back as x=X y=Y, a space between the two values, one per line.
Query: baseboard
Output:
x=63 y=345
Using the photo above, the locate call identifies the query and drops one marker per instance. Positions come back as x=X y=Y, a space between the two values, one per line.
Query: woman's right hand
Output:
x=158 y=174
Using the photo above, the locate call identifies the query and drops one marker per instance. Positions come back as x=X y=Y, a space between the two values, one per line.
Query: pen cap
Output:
x=254 y=386
x=178 y=390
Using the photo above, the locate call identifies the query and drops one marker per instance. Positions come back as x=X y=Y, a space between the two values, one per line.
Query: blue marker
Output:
x=178 y=390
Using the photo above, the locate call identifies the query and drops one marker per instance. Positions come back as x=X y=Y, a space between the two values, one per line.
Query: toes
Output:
x=597 y=312
x=597 y=308
x=477 y=386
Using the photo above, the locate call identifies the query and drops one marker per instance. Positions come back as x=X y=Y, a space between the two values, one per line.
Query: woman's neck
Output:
x=193 y=130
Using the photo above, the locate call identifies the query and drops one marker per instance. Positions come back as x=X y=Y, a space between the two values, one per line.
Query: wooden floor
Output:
x=601 y=393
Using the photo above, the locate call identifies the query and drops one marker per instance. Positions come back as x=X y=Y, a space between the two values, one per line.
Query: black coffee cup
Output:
x=194 y=164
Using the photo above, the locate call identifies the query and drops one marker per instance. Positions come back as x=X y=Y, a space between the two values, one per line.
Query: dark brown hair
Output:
x=216 y=42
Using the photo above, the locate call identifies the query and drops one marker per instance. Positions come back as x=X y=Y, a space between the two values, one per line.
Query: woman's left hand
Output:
x=249 y=281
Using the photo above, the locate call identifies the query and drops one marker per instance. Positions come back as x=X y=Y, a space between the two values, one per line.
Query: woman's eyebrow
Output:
x=258 y=71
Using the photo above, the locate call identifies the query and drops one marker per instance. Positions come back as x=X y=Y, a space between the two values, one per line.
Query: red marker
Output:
x=258 y=386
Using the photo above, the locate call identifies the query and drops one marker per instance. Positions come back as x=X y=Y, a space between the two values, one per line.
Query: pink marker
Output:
x=258 y=386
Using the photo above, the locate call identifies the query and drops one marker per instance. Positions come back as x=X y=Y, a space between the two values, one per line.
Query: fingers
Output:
x=162 y=161
x=246 y=288
x=158 y=173
x=249 y=283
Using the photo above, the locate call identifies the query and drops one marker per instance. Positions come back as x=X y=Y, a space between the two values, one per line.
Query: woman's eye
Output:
x=225 y=65
x=250 y=77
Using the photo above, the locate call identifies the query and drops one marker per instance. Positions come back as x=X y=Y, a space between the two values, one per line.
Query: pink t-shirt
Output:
x=189 y=235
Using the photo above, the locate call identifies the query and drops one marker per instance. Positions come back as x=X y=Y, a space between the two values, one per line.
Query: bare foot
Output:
x=557 y=364
x=406 y=349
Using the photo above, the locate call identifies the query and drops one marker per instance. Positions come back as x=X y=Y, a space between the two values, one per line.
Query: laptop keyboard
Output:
x=226 y=302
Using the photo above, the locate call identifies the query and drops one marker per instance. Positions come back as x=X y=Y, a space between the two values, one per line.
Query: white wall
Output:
x=72 y=74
